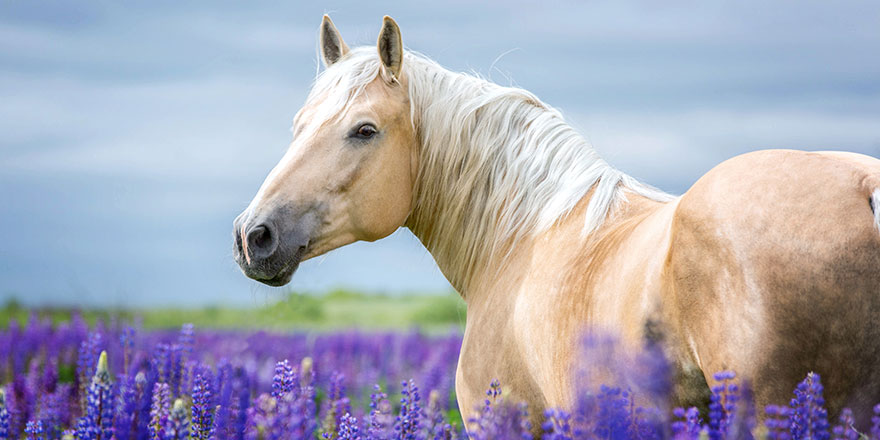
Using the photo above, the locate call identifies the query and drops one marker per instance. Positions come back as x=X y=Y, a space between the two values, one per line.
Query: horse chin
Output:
x=281 y=279
x=284 y=275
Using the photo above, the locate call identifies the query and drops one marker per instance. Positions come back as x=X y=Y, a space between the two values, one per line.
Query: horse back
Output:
x=774 y=271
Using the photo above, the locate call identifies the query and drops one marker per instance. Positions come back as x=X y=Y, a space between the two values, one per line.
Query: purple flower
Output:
x=408 y=422
x=126 y=417
x=284 y=379
x=242 y=404
x=436 y=427
x=202 y=409
x=225 y=384
x=337 y=403
x=497 y=419
x=34 y=430
x=808 y=417
x=186 y=340
x=4 y=416
x=159 y=411
x=348 y=428
x=381 y=421
x=777 y=422
x=86 y=360
x=557 y=425
x=97 y=424
x=178 y=423
x=846 y=429
x=126 y=340
x=689 y=426
x=54 y=411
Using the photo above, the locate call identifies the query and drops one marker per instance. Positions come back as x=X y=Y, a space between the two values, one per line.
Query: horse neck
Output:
x=497 y=166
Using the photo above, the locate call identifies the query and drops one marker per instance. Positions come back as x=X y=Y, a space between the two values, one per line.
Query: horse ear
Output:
x=390 y=48
x=332 y=46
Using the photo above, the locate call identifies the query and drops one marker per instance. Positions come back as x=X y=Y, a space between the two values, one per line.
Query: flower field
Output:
x=110 y=381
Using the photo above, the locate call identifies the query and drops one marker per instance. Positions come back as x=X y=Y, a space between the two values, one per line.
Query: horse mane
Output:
x=496 y=163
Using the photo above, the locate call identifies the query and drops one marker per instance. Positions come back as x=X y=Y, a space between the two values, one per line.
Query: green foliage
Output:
x=332 y=310
x=440 y=310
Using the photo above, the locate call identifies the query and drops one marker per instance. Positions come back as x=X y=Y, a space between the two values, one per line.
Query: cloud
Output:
x=131 y=135
x=673 y=149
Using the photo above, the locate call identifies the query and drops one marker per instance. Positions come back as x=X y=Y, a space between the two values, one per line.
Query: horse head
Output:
x=349 y=171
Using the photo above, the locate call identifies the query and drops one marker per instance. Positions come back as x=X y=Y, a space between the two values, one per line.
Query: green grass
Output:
x=333 y=310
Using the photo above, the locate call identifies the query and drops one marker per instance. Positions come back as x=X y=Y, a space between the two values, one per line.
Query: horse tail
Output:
x=870 y=184
x=875 y=207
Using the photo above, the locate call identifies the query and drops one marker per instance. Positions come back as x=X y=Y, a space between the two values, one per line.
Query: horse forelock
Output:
x=496 y=164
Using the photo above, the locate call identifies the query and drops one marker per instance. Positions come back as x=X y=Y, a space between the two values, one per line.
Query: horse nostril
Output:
x=260 y=241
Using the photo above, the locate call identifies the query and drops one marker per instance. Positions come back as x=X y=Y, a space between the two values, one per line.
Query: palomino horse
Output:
x=768 y=266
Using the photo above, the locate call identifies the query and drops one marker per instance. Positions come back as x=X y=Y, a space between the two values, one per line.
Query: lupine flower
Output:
x=97 y=424
x=186 y=339
x=41 y=399
x=260 y=418
x=557 y=425
x=846 y=429
x=614 y=416
x=408 y=423
x=202 y=409
x=225 y=384
x=498 y=420
x=307 y=375
x=690 y=425
x=34 y=430
x=54 y=411
x=159 y=362
x=348 y=428
x=86 y=361
x=178 y=423
x=808 y=417
x=159 y=411
x=50 y=375
x=381 y=421
x=242 y=404
x=16 y=407
x=284 y=379
x=126 y=417
x=494 y=390
x=141 y=410
x=126 y=340
x=307 y=423
x=777 y=422
x=4 y=416
x=337 y=403
x=722 y=404
x=436 y=427
x=176 y=368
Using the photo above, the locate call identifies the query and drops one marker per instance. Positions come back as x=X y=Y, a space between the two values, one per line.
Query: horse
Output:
x=766 y=266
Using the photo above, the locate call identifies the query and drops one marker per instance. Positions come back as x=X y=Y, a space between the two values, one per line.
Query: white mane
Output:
x=496 y=163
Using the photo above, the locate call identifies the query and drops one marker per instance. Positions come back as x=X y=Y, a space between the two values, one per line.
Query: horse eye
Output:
x=366 y=131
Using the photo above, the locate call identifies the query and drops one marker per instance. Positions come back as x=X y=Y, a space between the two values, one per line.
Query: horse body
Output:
x=767 y=266
x=730 y=284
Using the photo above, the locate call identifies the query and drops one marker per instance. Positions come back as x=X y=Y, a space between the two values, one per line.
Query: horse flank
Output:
x=496 y=163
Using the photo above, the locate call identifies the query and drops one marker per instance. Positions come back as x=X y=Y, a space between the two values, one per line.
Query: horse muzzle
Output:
x=269 y=247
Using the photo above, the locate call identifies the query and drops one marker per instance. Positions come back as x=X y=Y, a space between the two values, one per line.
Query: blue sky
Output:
x=131 y=135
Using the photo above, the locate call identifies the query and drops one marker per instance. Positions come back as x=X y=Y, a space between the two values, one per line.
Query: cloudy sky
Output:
x=131 y=135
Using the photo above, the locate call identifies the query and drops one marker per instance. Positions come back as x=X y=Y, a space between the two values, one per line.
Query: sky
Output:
x=132 y=134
